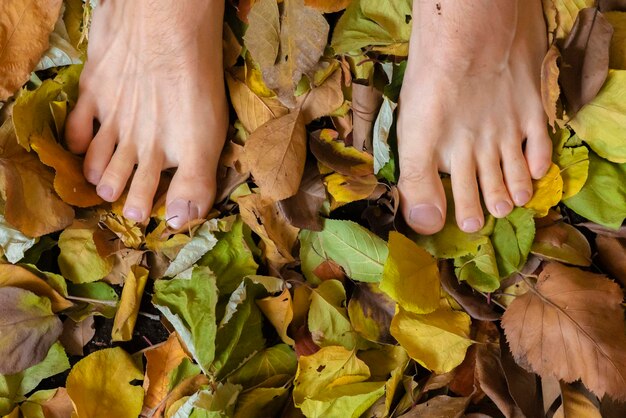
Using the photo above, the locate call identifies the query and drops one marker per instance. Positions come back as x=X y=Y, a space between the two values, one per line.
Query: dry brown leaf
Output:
x=59 y=406
x=265 y=219
x=329 y=270
x=32 y=206
x=302 y=209
x=366 y=101
x=276 y=154
x=559 y=241
x=323 y=100
x=25 y=28
x=439 y=407
x=612 y=256
x=571 y=326
x=230 y=46
x=161 y=360
x=585 y=58
x=76 y=335
x=262 y=37
x=550 y=90
x=328 y=6
x=612 y=5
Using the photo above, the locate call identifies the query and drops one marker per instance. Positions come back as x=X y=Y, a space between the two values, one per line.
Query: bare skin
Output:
x=471 y=107
x=154 y=81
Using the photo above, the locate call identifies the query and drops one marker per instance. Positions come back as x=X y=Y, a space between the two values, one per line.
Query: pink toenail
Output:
x=425 y=216
x=521 y=198
x=503 y=208
x=105 y=192
x=180 y=211
x=133 y=214
x=471 y=225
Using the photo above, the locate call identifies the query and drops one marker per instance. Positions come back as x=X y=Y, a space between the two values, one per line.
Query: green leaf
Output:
x=411 y=276
x=102 y=300
x=328 y=318
x=383 y=25
x=28 y=328
x=232 y=258
x=512 y=238
x=203 y=241
x=603 y=197
x=272 y=361
x=211 y=404
x=361 y=253
x=481 y=270
x=189 y=305
x=347 y=401
x=601 y=122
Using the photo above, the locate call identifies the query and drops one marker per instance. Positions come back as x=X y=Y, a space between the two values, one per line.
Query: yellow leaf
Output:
x=617 y=54
x=574 y=164
x=100 y=385
x=126 y=315
x=347 y=189
x=328 y=6
x=80 y=261
x=411 y=276
x=18 y=276
x=437 y=341
x=160 y=362
x=279 y=311
x=126 y=230
x=548 y=192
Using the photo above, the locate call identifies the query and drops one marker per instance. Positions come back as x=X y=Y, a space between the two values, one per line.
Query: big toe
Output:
x=422 y=196
x=190 y=195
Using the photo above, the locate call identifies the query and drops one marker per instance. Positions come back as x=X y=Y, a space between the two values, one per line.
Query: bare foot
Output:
x=154 y=81
x=470 y=99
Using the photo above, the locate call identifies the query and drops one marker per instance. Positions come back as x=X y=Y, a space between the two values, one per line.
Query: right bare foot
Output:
x=470 y=99
x=154 y=81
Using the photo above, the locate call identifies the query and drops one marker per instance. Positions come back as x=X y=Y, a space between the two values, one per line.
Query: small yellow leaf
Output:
x=100 y=385
x=548 y=192
x=279 y=311
x=348 y=189
x=411 y=276
x=437 y=341
x=126 y=315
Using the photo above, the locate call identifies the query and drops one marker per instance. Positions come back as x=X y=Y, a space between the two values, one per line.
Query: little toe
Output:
x=142 y=188
x=79 y=126
x=421 y=194
x=538 y=150
x=117 y=173
x=190 y=195
x=494 y=191
x=99 y=154
x=516 y=174
x=469 y=214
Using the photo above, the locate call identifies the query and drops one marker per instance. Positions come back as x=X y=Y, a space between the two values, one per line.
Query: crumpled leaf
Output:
x=601 y=121
x=347 y=189
x=350 y=400
x=366 y=102
x=438 y=340
x=61 y=52
x=571 y=316
x=550 y=89
x=279 y=310
x=276 y=153
x=14 y=244
x=25 y=28
x=32 y=206
x=361 y=253
x=603 y=197
x=127 y=312
x=585 y=57
x=189 y=305
x=410 y=276
x=323 y=99
x=574 y=164
x=100 y=385
x=334 y=153
x=385 y=26
x=382 y=151
x=564 y=15
x=28 y=328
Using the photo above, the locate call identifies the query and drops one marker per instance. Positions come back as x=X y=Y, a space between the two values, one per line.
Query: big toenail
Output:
x=503 y=208
x=471 y=225
x=180 y=211
x=133 y=214
x=521 y=198
x=105 y=192
x=93 y=176
x=425 y=216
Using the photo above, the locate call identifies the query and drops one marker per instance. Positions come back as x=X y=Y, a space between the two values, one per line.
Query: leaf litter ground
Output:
x=305 y=294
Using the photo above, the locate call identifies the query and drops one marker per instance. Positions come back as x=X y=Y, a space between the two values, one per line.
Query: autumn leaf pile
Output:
x=305 y=294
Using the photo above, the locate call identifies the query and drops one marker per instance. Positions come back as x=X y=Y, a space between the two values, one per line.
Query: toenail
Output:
x=425 y=216
x=180 y=211
x=105 y=192
x=133 y=214
x=93 y=176
x=503 y=208
x=521 y=198
x=471 y=225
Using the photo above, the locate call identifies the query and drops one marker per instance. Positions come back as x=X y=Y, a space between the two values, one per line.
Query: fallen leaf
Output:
x=302 y=209
x=19 y=276
x=585 y=58
x=262 y=37
x=366 y=102
x=439 y=407
x=28 y=328
x=267 y=363
x=77 y=335
x=569 y=316
x=279 y=311
x=54 y=403
x=565 y=14
x=335 y=154
x=559 y=241
x=608 y=5
x=26 y=28
x=128 y=309
x=575 y=404
x=328 y=6
x=100 y=385
x=617 y=53
x=61 y=52
x=324 y=99
x=574 y=164
x=611 y=256
x=370 y=311
x=347 y=189
x=202 y=241
x=276 y=153
x=14 y=244
x=548 y=192
x=512 y=239
x=410 y=276
x=438 y=340
x=550 y=89
x=79 y=260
